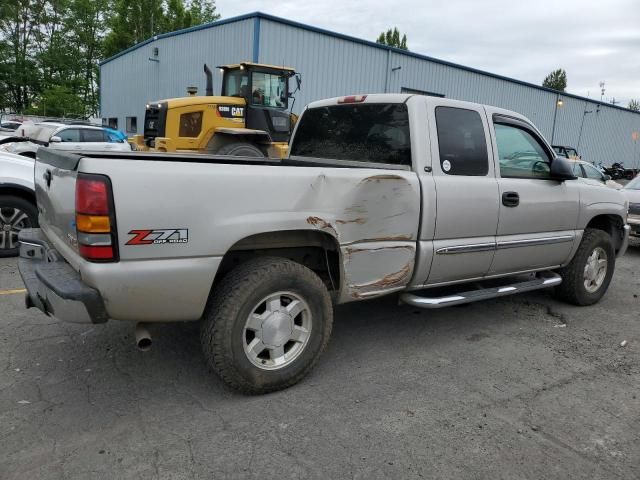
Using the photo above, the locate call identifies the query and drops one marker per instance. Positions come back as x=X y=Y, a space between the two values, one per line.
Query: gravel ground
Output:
x=520 y=387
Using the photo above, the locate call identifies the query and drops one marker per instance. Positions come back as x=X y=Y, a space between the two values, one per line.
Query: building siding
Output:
x=130 y=81
x=335 y=65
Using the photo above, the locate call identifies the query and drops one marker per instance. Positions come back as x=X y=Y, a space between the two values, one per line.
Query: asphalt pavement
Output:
x=522 y=387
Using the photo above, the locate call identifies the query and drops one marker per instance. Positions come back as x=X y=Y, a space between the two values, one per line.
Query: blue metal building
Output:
x=333 y=64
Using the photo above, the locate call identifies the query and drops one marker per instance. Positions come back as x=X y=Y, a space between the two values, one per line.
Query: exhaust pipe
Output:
x=207 y=72
x=143 y=337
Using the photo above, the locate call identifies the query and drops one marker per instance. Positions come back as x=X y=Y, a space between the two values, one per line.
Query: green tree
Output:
x=392 y=38
x=203 y=11
x=634 y=105
x=58 y=101
x=556 y=80
x=134 y=22
x=19 y=74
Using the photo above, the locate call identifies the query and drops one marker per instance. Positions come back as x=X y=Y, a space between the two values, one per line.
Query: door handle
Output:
x=510 y=199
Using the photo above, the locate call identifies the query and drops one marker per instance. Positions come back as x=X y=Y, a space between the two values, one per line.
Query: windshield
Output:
x=633 y=184
x=269 y=90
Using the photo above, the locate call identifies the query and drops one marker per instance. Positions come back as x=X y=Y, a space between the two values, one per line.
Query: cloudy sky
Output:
x=593 y=41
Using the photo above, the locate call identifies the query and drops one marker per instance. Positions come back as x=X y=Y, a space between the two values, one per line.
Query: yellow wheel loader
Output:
x=251 y=118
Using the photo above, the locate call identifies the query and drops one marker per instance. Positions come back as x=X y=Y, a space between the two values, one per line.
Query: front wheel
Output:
x=240 y=149
x=266 y=325
x=586 y=278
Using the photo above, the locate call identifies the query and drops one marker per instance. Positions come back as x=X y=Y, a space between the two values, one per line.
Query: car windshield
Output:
x=633 y=184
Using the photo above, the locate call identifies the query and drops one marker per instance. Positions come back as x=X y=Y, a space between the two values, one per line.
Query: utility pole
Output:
x=584 y=115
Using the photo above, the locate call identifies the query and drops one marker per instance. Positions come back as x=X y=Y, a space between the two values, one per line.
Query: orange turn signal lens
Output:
x=93 y=223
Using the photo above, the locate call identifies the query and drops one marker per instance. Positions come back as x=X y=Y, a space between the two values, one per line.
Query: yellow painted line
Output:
x=13 y=292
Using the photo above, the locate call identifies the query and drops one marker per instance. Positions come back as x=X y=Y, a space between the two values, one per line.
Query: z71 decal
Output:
x=158 y=236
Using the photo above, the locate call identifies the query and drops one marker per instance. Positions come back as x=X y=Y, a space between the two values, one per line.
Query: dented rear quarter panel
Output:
x=372 y=214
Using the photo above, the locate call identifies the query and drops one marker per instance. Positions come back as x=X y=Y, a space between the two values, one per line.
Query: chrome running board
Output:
x=541 y=280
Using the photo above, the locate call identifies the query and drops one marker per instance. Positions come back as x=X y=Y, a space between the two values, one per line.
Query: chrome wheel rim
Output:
x=277 y=330
x=595 y=270
x=12 y=220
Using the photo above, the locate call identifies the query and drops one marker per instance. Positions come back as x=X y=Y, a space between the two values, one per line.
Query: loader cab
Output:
x=265 y=89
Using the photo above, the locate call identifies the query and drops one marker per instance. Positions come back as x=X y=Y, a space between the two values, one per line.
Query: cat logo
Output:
x=230 y=111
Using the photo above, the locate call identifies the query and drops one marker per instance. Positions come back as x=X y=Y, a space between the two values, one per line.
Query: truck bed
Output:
x=370 y=215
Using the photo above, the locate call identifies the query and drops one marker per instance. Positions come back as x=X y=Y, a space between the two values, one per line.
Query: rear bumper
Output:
x=53 y=286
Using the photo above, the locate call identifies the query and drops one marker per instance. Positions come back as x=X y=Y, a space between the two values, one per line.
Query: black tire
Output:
x=9 y=204
x=573 y=289
x=240 y=149
x=223 y=333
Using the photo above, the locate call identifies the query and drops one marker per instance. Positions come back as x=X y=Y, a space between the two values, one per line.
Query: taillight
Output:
x=353 y=99
x=95 y=218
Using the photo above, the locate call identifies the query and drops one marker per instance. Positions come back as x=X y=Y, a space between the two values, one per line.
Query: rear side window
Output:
x=92 y=136
x=375 y=133
x=462 y=142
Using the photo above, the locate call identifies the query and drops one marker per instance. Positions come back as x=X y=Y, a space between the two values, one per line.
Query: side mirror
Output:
x=55 y=139
x=561 y=169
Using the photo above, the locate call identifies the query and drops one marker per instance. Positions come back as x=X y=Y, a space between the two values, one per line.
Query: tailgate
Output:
x=55 y=183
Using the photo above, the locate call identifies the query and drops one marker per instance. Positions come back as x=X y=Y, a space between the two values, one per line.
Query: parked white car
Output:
x=17 y=200
x=61 y=136
x=590 y=174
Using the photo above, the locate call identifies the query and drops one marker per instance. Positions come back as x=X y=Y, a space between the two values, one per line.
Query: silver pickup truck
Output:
x=445 y=202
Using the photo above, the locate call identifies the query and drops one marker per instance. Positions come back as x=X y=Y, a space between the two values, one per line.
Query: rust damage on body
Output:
x=394 y=267
x=359 y=221
x=374 y=219
x=379 y=178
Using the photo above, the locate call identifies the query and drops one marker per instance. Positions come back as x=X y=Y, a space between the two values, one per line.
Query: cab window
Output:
x=372 y=133
x=236 y=84
x=520 y=153
x=461 y=142
x=190 y=124
x=268 y=90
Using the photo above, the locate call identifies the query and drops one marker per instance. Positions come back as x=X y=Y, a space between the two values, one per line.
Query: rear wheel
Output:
x=586 y=279
x=240 y=149
x=266 y=325
x=15 y=214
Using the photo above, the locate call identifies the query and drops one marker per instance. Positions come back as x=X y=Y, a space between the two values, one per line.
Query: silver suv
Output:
x=60 y=136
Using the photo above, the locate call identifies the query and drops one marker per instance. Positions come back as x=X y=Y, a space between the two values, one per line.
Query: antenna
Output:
x=601 y=90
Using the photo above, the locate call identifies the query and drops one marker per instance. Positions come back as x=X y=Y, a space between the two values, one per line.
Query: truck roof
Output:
x=403 y=97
